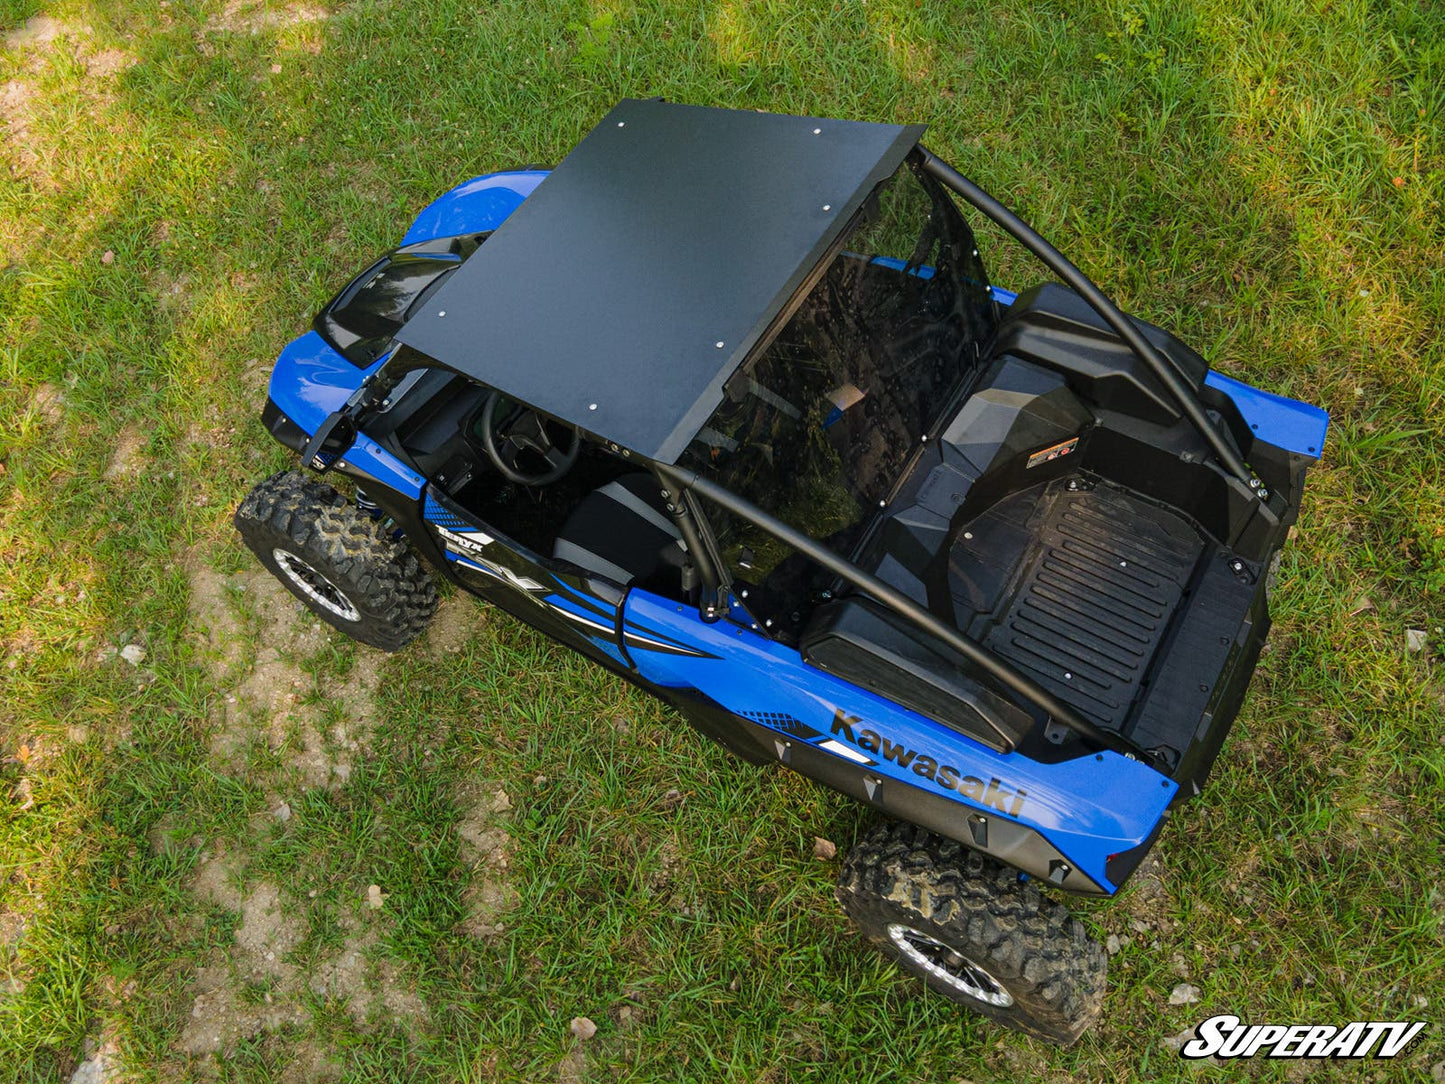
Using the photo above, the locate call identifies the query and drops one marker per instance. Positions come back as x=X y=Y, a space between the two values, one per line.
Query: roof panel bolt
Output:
x=827 y=206
x=442 y=313
x=591 y=406
x=622 y=124
x=1068 y=676
x=719 y=344
x=817 y=131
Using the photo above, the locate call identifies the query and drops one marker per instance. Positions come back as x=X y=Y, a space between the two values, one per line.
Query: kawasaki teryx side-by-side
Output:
x=726 y=402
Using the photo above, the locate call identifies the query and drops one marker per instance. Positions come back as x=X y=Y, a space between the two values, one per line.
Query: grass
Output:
x=187 y=182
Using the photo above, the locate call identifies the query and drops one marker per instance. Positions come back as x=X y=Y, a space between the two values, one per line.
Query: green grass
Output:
x=1263 y=177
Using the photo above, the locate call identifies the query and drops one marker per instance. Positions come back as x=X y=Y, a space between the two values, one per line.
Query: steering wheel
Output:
x=522 y=446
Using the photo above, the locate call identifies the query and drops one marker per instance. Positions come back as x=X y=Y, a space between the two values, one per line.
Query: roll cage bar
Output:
x=1080 y=283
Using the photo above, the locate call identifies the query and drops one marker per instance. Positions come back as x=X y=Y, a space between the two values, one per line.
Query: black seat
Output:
x=623 y=533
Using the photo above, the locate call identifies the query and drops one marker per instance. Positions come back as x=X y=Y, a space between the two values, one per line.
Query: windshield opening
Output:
x=820 y=425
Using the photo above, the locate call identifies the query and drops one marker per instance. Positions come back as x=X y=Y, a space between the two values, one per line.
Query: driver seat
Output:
x=623 y=532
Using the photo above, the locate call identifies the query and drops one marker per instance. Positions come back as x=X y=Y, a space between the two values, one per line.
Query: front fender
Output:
x=475 y=206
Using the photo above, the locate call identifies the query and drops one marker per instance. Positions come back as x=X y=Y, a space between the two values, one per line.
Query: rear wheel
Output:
x=337 y=559
x=973 y=932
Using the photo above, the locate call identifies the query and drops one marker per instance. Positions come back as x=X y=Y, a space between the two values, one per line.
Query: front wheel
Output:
x=973 y=932
x=337 y=560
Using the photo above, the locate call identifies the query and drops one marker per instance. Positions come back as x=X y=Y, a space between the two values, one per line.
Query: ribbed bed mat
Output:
x=1100 y=583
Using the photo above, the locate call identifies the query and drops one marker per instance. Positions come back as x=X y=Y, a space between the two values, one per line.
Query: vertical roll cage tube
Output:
x=1060 y=265
x=686 y=481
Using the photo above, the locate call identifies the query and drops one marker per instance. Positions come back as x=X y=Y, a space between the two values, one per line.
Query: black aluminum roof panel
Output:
x=629 y=286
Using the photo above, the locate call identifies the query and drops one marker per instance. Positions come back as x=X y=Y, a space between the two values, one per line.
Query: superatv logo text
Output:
x=1227 y=1036
x=992 y=793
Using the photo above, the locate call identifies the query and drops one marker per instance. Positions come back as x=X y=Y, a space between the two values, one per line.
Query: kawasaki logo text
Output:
x=991 y=793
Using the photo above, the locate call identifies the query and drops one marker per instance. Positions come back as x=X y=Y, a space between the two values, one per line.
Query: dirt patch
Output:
x=48 y=403
x=483 y=845
x=36 y=30
x=261 y=989
x=108 y=62
x=251 y=17
x=16 y=113
x=368 y=984
x=311 y=1063
x=274 y=699
x=40 y=35
x=224 y=1013
x=129 y=456
x=456 y=620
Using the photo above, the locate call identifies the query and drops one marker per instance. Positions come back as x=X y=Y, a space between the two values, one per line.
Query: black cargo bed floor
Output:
x=1076 y=588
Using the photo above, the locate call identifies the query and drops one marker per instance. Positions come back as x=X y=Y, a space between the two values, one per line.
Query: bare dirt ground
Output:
x=281 y=726
x=257 y=642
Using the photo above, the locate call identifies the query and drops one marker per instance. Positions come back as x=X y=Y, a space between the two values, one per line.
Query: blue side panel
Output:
x=483 y=203
x=309 y=381
x=1002 y=296
x=1089 y=808
x=1286 y=423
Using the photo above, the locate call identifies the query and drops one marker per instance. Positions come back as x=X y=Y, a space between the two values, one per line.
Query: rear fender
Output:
x=1060 y=822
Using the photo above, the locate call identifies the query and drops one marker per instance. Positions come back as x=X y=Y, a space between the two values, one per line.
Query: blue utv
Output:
x=726 y=402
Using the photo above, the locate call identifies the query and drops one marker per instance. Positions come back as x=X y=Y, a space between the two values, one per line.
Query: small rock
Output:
x=501 y=801
x=282 y=812
x=275 y=69
x=375 y=897
x=1421 y=1002
x=824 y=850
x=1138 y=925
x=133 y=654
x=91 y=1071
x=672 y=799
x=1437 y=1072
x=1186 y=993
x=1362 y=604
x=1415 y=640
x=583 y=1028
x=1175 y=1042
x=107 y=257
x=1113 y=945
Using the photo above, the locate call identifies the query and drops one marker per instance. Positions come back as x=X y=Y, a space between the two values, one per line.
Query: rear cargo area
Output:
x=1114 y=604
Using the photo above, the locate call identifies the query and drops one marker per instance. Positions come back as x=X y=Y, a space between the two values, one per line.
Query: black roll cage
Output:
x=682 y=487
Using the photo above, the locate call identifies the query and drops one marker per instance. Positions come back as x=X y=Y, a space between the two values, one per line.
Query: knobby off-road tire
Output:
x=338 y=560
x=974 y=932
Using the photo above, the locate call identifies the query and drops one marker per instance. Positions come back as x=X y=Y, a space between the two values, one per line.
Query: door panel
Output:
x=580 y=611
